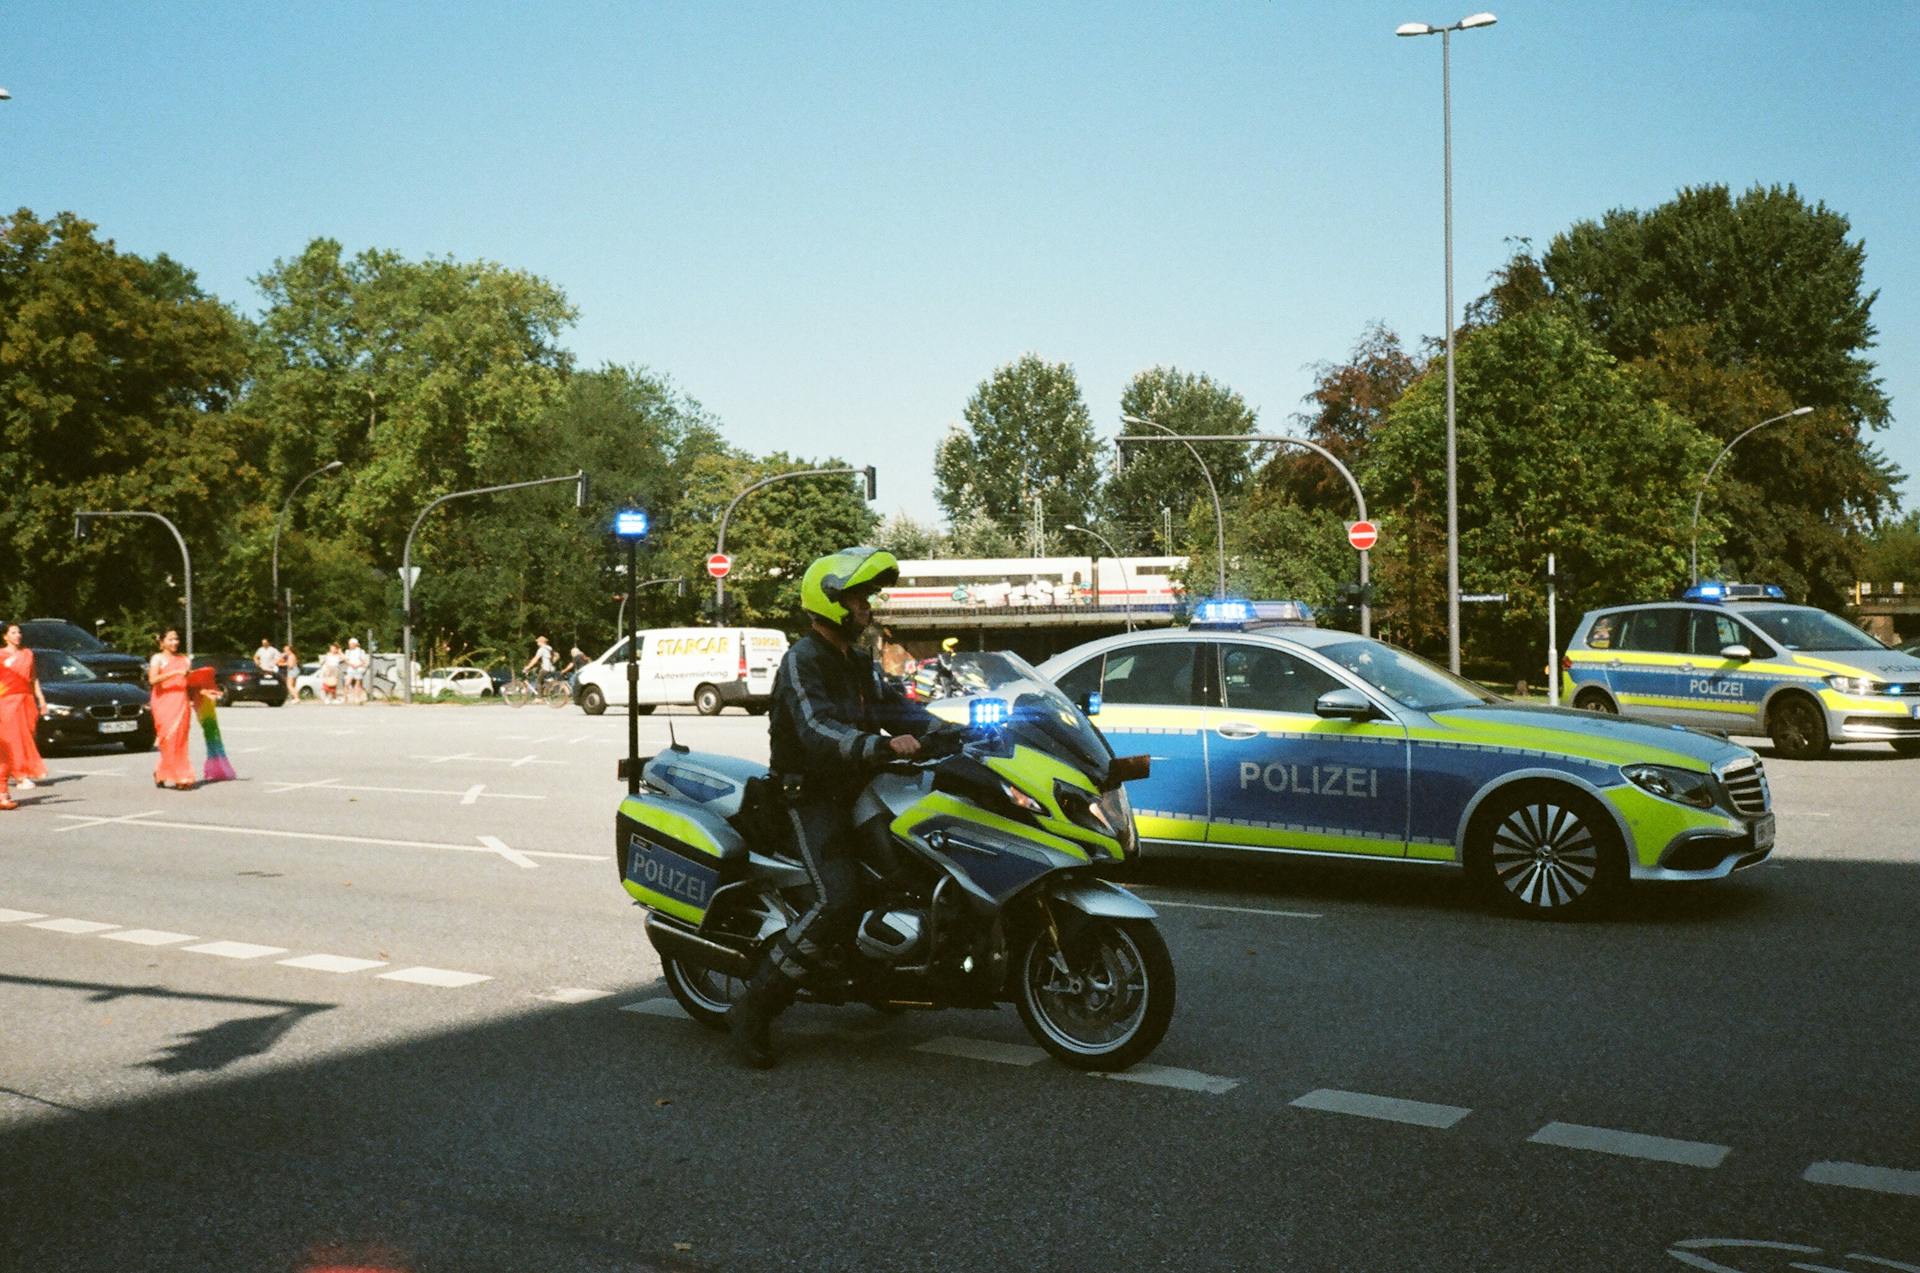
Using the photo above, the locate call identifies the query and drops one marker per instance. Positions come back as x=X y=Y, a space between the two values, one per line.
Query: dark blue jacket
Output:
x=828 y=711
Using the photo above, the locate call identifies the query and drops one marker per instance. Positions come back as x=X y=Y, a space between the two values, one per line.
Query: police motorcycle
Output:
x=984 y=859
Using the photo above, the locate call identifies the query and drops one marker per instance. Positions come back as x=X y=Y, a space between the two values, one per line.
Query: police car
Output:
x=1269 y=735
x=1737 y=659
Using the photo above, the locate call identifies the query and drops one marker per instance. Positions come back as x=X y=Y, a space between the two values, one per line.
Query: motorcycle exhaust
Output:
x=675 y=940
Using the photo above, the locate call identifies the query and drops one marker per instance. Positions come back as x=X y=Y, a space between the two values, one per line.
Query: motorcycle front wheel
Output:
x=1102 y=1002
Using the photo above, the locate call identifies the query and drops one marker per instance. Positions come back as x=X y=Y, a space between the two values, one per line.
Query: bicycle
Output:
x=546 y=687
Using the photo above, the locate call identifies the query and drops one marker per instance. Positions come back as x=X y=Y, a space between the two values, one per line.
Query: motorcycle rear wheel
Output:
x=704 y=994
x=1111 y=1003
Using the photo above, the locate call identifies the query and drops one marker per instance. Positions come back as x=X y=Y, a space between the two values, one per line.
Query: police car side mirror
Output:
x=1739 y=653
x=1344 y=704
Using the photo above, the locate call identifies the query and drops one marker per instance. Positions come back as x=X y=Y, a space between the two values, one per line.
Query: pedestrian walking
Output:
x=330 y=674
x=21 y=703
x=172 y=714
x=289 y=664
x=354 y=664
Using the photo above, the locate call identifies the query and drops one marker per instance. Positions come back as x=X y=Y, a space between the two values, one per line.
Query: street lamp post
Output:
x=1125 y=583
x=1219 y=518
x=406 y=562
x=186 y=559
x=332 y=466
x=720 y=543
x=1453 y=492
x=1353 y=484
x=1693 y=547
x=620 y=624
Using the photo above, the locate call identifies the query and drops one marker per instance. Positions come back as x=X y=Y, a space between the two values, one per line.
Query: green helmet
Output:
x=824 y=587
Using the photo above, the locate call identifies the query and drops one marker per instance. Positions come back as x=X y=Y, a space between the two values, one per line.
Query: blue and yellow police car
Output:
x=1737 y=659
x=1269 y=735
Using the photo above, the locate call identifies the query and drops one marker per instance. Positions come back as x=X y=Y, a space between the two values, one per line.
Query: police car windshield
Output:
x=1407 y=679
x=1804 y=629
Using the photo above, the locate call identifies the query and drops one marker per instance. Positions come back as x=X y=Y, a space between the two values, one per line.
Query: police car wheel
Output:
x=706 y=701
x=1595 y=701
x=1798 y=727
x=1544 y=852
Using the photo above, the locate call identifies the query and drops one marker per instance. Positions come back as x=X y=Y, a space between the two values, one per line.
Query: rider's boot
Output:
x=750 y=1019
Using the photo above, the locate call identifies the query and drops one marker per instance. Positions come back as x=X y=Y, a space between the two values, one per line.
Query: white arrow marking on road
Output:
x=514 y=856
x=278 y=787
x=274 y=833
x=524 y=760
x=473 y=793
x=81 y=824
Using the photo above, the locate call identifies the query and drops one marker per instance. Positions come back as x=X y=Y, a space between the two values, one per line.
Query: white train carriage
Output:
x=1035 y=582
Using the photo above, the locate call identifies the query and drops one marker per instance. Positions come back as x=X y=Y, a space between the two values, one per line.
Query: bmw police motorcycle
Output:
x=984 y=859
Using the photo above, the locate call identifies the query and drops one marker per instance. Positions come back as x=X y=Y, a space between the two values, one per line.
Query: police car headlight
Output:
x=1682 y=786
x=1854 y=684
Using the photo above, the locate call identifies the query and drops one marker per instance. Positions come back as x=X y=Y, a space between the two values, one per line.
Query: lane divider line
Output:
x=149 y=937
x=80 y=822
x=572 y=994
x=1171 y=1076
x=424 y=976
x=1606 y=1140
x=1237 y=910
x=1853 y=1175
x=332 y=963
x=79 y=927
x=1388 y=1109
x=146 y=820
x=234 y=950
x=14 y=917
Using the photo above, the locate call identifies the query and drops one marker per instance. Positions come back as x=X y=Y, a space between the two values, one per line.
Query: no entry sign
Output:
x=1362 y=535
x=718 y=565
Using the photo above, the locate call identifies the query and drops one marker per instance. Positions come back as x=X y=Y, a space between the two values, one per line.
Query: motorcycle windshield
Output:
x=1038 y=713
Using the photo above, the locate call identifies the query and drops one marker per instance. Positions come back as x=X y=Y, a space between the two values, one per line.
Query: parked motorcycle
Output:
x=983 y=857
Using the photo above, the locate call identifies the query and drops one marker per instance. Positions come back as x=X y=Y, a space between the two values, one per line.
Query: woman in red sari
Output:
x=21 y=703
x=172 y=714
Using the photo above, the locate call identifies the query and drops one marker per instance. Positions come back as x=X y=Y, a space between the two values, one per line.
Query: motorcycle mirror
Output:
x=1128 y=769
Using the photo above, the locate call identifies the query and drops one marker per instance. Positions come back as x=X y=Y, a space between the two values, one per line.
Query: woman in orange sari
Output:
x=172 y=714
x=21 y=703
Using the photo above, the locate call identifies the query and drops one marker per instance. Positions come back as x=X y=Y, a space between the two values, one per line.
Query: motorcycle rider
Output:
x=830 y=708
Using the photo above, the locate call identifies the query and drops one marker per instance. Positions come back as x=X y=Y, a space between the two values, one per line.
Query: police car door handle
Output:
x=1237 y=729
x=1615 y=663
x=1688 y=667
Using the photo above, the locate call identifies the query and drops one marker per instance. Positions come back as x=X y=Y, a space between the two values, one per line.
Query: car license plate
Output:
x=1763 y=832
x=119 y=727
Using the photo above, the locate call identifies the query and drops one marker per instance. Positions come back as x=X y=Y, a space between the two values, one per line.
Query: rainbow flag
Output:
x=219 y=768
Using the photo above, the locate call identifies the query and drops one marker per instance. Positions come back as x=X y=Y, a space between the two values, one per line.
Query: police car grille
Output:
x=1746 y=783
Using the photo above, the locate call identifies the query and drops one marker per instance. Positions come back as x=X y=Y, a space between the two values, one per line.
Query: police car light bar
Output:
x=1235 y=614
x=987 y=713
x=1713 y=590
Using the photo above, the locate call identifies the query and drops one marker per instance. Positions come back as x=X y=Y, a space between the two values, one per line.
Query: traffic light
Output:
x=580 y=494
x=873 y=483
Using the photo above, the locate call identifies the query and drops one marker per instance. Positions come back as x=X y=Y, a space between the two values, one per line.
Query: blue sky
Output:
x=829 y=222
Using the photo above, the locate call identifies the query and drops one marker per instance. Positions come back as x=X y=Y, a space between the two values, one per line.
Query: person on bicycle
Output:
x=544 y=656
x=833 y=722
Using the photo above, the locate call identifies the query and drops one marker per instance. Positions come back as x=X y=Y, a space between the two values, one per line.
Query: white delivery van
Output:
x=709 y=668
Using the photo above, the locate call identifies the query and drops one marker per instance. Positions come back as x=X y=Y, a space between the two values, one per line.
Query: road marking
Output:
x=983 y=1050
x=1853 y=1175
x=515 y=763
x=1605 y=1140
x=572 y=994
x=1238 y=910
x=149 y=937
x=76 y=926
x=514 y=856
x=332 y=963
x=472 y=795
x=524 y=760
x=274 y=833
x=247 y=751
x=467 y=796
x=235 y=950
x=1170 y=1076
x=11 y=917
x=435 y=977
x=277 y=787
x=1386 y=1108
x=81 y=823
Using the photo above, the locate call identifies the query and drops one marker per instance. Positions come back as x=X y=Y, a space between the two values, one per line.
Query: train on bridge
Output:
x=973 y=585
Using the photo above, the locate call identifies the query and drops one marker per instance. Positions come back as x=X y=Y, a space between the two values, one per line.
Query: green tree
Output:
x=1164 y=474
x=1891 y=554
x=118 y=381
x=1027 y=434
x=1735 y=309
x=1346 y=407
x=1559 y=451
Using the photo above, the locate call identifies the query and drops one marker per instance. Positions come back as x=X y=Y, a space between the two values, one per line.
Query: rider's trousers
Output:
x=824 y=838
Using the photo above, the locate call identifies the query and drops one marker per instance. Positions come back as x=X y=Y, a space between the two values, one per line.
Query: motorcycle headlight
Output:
x=1854 y=684
x=1682 y=786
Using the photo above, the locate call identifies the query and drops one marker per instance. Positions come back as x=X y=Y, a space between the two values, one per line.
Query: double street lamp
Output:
x=1219 y=518
x=332 y=466
x=1693 y=546
x=1114 y=553
x=1446 y=131
x=720 y=542
x=81 y=518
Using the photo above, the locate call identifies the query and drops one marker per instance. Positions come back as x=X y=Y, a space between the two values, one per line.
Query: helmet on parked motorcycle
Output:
x=828 y=581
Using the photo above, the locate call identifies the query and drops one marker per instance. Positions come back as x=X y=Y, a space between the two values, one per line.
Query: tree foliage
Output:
x=1165 y=475
x=1347 y=406
x=1027 y=434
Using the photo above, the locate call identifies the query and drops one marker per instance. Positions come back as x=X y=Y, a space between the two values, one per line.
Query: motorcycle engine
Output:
x=891 y=936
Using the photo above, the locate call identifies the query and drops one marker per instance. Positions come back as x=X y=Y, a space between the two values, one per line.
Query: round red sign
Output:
x=1363 y=535
x=718 y=565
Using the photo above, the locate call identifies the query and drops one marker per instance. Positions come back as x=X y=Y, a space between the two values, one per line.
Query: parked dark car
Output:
x=96 y=655
x=85 y=710
x=240 y=681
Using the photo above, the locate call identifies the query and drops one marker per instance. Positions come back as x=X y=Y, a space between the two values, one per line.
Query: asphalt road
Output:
x=382 y=1004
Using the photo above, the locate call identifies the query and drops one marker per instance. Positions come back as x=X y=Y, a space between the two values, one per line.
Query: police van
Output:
x=706 y=668
x=1736 y=659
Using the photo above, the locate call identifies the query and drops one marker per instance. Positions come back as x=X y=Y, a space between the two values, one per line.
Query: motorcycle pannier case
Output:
x=674 y=856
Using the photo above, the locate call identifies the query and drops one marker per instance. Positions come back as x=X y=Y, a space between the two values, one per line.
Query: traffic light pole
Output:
x=720 y=544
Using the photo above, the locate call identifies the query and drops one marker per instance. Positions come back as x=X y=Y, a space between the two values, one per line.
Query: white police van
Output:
x=706 y=668
x=1736 y=659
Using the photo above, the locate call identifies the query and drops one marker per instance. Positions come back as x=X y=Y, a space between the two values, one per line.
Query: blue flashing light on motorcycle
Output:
x=987 y=713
